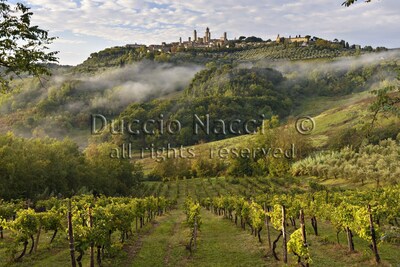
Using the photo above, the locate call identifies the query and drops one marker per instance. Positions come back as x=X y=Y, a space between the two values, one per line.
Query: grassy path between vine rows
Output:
x=57 y=255
x=220 y=243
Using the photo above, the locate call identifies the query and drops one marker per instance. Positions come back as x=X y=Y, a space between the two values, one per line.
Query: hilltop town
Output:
x=205 y=47
x=207 y=42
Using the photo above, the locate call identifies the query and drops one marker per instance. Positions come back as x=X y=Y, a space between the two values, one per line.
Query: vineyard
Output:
x=98 y=224
x=334 y=202
x=277 y=219
x=203 y=152
x=290 y=53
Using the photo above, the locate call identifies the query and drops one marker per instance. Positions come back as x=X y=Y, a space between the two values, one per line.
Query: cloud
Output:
x=66 y=41
x=124 y=21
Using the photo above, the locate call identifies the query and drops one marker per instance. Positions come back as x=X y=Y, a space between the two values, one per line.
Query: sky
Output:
x=87 y=26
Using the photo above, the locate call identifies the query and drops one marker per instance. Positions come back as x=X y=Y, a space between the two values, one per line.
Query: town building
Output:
x=297 y=39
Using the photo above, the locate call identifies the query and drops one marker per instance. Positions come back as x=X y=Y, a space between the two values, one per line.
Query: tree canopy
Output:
x=350 y=2
x=23 y=46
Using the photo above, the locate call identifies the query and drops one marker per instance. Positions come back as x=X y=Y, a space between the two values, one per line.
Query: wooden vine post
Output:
x=303 y=231
x=91 y=243
x=267 y=227
x=195 y=233
x=71 y=236
x=284 y=234
x=350 y=241
x=37 y=237
x=373 y=236
x=303 y=228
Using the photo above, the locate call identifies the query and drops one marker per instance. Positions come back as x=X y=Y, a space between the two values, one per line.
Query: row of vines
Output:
x=95 y=224
x=372 y=216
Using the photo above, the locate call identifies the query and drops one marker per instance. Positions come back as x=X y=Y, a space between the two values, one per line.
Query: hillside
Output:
x=199 y=133
x=125 y=55
x=61 y=106
x=258 y=189
x=333 y=116
x=163 y=240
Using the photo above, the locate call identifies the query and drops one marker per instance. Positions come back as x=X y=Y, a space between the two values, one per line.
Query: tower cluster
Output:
x=205 y=41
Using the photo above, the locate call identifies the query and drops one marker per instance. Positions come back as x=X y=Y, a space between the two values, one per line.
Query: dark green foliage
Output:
x=230 y=92
x=229 y=80
x=387 y=100
x=350 y=2
x=23 y=47
x=316 y=187
x=113 y=57
x=346 y=137
x=171 y=168
x=356 y=137
x=30 y=167
x=241 y=166
x=226 y=93
x=110 y=175
x=207 y=167
x=253 y=39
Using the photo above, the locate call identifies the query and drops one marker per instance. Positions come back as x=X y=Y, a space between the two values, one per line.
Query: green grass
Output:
x=331 y=115
x=220 y=241
x=55 y=254
x=156 y=248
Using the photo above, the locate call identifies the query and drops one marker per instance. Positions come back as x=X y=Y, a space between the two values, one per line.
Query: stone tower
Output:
x=207 y=37
x=195 y=36
x=225 y=37
x=278 y=39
